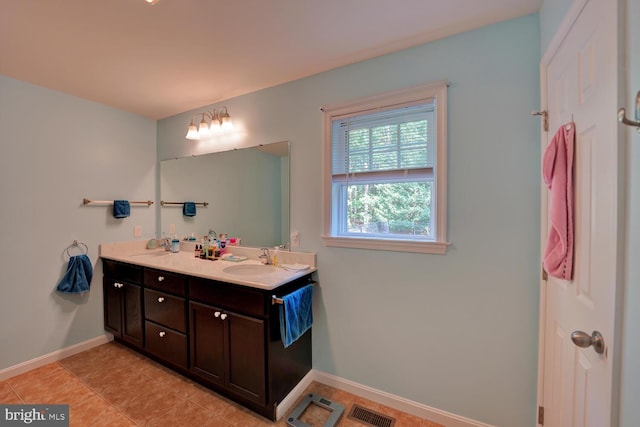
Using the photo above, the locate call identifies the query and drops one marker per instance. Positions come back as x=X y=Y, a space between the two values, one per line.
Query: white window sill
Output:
x=438 y=248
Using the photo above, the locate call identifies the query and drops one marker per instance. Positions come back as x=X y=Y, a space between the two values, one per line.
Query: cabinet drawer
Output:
x=228 y=296
x=166 y=344
x=165 y=281
x=165 y=309
x=124 y=272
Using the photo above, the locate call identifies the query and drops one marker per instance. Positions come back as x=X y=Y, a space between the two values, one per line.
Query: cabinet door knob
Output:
x=161 y=299
x=216 y=314
x=162 y=334
x=160 y=278
x=117 y=285
x=223 y=316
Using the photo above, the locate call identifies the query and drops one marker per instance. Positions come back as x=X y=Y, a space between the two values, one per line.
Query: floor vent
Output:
x=370 y=418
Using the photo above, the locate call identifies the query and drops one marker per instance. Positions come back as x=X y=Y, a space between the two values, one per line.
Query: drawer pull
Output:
x=160 y=278
x=162 y=334
x=161 y=299
x=223 y=316
x=216 y=314
x=118 y=285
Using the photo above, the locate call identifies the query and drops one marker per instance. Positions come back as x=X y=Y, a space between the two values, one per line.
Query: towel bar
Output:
x=110 y=202
x=163 y=203
x=276 y=300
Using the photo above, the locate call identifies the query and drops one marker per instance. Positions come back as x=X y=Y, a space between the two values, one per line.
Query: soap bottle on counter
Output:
x=175 y=244
x=275 y=258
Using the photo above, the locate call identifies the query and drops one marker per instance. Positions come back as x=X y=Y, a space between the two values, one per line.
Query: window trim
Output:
x=414 y=94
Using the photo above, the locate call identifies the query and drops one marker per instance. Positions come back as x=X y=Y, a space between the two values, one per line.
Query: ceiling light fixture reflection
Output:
x=219 y=121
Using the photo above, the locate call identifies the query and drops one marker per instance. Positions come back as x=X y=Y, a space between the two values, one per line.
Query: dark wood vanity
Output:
x=222 y=335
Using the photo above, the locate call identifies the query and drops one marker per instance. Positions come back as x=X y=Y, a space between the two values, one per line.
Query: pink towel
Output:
x=557 y=171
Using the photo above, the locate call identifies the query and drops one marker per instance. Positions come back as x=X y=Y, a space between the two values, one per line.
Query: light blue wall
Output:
x=630 y=390
x=56 y=150
x=552 y=12
x=455 y=332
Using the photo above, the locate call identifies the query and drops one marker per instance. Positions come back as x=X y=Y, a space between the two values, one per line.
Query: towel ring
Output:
x=78 y=245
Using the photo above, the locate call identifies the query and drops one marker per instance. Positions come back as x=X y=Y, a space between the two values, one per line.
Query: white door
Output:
x=579 y=77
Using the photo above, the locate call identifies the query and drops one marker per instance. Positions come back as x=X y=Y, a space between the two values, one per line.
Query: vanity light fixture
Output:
x=152 y=2
x=220 y=120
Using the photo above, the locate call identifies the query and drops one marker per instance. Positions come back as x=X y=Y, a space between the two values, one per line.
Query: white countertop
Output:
x=184 y=262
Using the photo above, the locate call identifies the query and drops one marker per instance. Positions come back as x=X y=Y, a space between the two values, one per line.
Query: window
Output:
x=385 y=171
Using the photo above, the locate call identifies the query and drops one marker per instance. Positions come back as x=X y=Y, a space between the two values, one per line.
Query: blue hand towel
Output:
x=296 y=315
x=78 y=277
x=121 y=208
x=189 y=209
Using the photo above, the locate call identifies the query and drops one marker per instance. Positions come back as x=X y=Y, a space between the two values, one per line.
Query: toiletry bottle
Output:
x=275 y=258
x=204 y=247
x=223 y=244
x=196 y=251
x=175 y=244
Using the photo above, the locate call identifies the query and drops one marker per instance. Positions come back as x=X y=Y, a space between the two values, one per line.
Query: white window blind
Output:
x=401 y=138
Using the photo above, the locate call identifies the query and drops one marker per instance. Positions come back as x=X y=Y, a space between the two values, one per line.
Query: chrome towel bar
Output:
x=277 y=300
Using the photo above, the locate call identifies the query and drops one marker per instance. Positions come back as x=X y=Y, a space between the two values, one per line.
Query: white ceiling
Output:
x=160 y=60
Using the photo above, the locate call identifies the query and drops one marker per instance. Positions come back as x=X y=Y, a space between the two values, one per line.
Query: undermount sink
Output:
x=249 y=269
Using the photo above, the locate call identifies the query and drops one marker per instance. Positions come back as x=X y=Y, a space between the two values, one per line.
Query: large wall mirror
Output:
x=247 y=191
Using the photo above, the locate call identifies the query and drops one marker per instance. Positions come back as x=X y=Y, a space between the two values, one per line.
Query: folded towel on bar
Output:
x=78 y=277
x=121 y=208
x=189 y=209
x=296 y=315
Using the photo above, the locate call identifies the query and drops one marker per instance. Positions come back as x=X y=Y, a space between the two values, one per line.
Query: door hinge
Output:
x=544 y=273
x=541 y=415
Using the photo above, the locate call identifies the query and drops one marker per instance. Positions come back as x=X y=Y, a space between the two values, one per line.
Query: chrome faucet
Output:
x=165 y=243
x=265 y=258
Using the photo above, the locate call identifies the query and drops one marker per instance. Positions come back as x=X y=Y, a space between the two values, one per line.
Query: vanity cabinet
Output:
x=222 y=335
x=123 y=302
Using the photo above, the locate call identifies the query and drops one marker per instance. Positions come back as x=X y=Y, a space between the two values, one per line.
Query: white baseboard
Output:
x=54 y=356
x=396 y=402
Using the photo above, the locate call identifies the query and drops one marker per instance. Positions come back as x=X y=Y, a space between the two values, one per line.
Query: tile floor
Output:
x=110 y=385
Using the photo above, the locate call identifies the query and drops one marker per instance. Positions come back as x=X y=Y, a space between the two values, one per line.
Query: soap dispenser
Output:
x=175 y=244
x=275 y=258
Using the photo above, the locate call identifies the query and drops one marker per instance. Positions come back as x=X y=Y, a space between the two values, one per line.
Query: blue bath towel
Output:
x=78 y=277
x=296 y=315
x=121 y=208
x=189 y=209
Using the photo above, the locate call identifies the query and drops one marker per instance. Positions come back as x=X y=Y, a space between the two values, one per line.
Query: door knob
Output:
x=584 y=340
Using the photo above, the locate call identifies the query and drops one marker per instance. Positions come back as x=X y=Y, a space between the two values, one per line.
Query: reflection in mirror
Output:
x=247 y=191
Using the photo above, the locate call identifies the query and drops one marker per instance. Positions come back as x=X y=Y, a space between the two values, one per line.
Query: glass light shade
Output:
x=215 y=126
x=226 y=122
x=203 y=129
x=192 y=132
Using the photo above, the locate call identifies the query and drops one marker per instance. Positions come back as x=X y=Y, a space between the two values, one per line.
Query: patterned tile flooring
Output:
x=112 y=386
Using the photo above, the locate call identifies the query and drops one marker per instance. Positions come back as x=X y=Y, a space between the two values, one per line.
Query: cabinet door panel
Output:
x=112 y=307
x=132 y=314
x=206 y=334
x=246 y=358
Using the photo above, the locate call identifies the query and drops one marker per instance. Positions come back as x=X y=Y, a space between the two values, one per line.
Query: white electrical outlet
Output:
x=295 y=239
x=137 y=231
x=172 y=229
